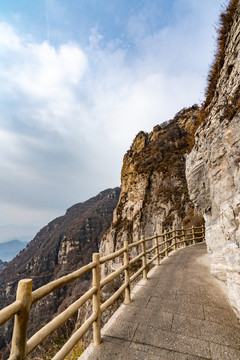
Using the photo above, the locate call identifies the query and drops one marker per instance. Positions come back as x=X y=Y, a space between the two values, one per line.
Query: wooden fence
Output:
x=151 y=250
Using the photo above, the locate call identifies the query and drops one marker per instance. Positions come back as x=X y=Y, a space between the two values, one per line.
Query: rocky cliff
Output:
x=2 y=264
x=213 y=167
x=153 y=185
x=64 y=245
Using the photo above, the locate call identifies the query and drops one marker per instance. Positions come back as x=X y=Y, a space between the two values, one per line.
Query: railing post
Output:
x=144 y=259
x=19 y=338
x=127 y=298
x=184 y=237
x=193 y=234
x=203 y=233
x=96 y=300
x=157 y=249
x=174 y=239
x=166 y=243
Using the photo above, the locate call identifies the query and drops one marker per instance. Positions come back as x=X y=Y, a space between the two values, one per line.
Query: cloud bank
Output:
x=69 y=113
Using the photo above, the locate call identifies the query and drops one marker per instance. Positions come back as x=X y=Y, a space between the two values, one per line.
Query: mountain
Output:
x=64 y=245
x=213 y=167
x=9 y=249
x=154 y=194
x=2 y=265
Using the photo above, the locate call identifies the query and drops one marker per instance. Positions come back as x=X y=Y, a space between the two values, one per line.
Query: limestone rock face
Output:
x=213 y=166
x=153 y=185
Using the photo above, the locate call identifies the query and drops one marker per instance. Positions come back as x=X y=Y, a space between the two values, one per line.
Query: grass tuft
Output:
x=76 y=351
x=225 y=24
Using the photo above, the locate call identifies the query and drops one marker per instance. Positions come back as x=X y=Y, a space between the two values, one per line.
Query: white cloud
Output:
x=43 y=79
x=69 y=113
x=9 y=40
x=46 y=71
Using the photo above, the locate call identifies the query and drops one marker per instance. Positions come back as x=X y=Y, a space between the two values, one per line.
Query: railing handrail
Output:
x=64 y=280
x=25 y=297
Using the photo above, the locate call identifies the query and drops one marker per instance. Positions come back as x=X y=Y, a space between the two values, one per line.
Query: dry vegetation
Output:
x=225 y=24
x=160 y=154
x=193 y=218
x=165 y=152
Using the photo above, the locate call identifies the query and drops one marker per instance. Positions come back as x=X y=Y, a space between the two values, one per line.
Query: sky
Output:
x=78 y=80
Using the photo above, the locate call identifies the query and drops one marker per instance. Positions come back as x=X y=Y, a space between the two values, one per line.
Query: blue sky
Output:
x=78 y=80
x=60 y=20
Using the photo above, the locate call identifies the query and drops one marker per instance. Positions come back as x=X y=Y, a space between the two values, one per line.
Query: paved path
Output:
x=179 y=313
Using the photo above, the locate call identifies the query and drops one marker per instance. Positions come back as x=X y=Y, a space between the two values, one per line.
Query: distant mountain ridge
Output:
x=9 y=249
x=62 y=246
x=20 y=232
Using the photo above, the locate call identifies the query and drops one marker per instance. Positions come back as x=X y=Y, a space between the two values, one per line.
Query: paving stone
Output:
x=214 y=300
x=178 y=356
x=111 y=349
x=131 y=313
x=122 y=329
x=220 y=352
x=140 y=301
x=188 y=296
x=189 y=309
x=177 y=307
x=161 y=304
x=221 y=334
x=106 y=350
x=168 y=340
x=187 y=326
x=221 y=316
x=161 y=320
x=153 y=350
x=206 y=330
x=163 y=353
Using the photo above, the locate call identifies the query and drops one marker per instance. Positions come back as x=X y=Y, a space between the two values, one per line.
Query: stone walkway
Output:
x=179 y=313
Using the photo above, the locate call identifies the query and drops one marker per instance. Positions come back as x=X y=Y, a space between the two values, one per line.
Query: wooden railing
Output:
x=151 y=250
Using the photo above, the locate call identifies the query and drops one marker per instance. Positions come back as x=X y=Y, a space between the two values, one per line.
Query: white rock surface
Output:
x=213 y=171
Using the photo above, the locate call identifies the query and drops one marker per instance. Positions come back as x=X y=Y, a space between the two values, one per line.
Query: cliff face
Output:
x=153 y=185
x=2 y=265
x=213 y=167
x=63 y=246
